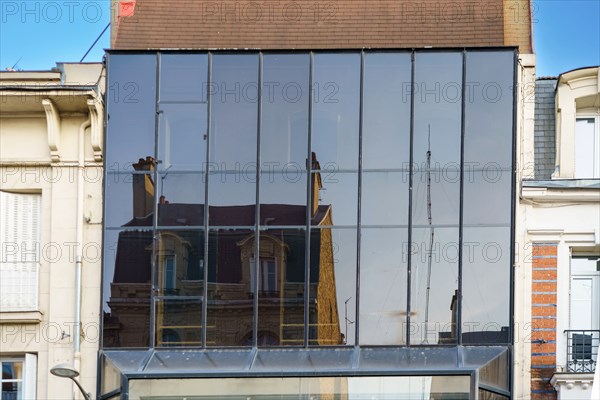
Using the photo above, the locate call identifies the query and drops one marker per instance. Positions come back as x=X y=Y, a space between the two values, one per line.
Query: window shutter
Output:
x=20 y=250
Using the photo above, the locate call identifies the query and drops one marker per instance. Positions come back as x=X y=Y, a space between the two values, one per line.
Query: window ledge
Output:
x=20 y=317
x=571 y=380
x=579 y=190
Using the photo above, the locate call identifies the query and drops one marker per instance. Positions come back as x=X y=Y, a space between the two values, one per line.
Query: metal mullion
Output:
x=206 y=208
x=512 y=221
x=153 y=265
x=458 y=327
x=410 y=196
x=257 y=209
x=359 y=200
x=309 y=200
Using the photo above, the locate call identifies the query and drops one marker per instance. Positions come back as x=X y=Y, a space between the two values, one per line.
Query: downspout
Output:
x=79 y=249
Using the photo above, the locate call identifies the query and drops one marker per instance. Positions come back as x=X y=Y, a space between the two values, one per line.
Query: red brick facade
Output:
x=310 y=24
x=543 y=319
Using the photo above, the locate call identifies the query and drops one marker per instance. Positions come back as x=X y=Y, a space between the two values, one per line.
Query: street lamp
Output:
x=66 y=371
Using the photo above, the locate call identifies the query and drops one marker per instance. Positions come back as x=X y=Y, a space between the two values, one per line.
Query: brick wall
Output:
x=545 y=128
x=297 y=24
x=543 y=320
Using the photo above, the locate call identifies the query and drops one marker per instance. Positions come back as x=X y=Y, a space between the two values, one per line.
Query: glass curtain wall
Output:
x=248 y=195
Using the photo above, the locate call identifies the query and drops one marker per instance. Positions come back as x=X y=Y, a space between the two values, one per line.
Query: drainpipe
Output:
x=79 y=250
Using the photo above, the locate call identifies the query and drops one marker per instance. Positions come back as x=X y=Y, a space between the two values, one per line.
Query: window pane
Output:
x=285 y=99
x=131 y=109
x=436 y=143
x=181 y=199
x=129 y=200
x=336 y=110
x=182 y=137
x=178 y=321
x=434 y=274
x=232 y=198
x=438 y=90
x=183 y=77
x=436 y=196
x=234 y=104
x=383 y=274
x=332 y=286
x=126 y=291
x=489 y=108
x=386 y=141
x=230 y=297
x=486 y=285
x=586 y=149
x=285 y=188
x=335 y=198
x=385 y=198
x=487 y=196
x=280 y=287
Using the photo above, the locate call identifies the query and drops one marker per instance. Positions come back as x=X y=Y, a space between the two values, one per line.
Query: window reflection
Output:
x=384 y=198
x=181 y=199
x=183 y=78
x=127 y=267
x=230 y=295
x=281 y=270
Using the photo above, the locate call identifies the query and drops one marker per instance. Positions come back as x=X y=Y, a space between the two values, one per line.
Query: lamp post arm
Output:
x=86 y=395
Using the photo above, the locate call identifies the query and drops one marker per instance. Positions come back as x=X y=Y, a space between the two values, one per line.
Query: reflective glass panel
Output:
x=178 y=321
x=131 y=108
x=334 y=198
x=487 y=196
x=232 y=197
x=230 y=296
x=181 y=199
x=182 y=137
x=129 y=200
x=332 y=299
x=384 y=198
x=280 y=270
x=486 y=285
x=234 y=107
x=127 y=287
x=434 y=274
x=283 y=197
x=386 y=120
x=336 y=100
x=285 y=100
x=383 y=277
x=183 y=78
x=489 y=108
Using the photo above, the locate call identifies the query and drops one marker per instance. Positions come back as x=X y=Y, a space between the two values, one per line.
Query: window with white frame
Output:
x=587 y=147
x=18 y=377
x=19 y=251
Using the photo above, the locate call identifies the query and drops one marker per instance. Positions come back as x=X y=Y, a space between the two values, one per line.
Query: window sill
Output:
x=20 y=317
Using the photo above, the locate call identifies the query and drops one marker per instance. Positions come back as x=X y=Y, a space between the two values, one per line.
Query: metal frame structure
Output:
x=357 y=351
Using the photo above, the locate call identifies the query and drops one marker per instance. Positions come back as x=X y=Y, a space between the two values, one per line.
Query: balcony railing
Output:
x=582 y=350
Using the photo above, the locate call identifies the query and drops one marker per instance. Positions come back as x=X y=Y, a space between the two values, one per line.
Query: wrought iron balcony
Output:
x=582 y=350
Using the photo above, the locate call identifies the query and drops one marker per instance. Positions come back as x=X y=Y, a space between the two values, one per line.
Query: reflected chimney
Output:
x=143 y=188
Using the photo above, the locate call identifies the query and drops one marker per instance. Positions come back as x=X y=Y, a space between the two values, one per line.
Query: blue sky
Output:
x=40 y=33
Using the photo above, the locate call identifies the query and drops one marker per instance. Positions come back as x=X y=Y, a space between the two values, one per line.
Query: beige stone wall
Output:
x=39 y=154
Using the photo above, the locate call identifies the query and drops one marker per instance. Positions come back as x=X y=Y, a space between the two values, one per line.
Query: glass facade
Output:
x=308 y=199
